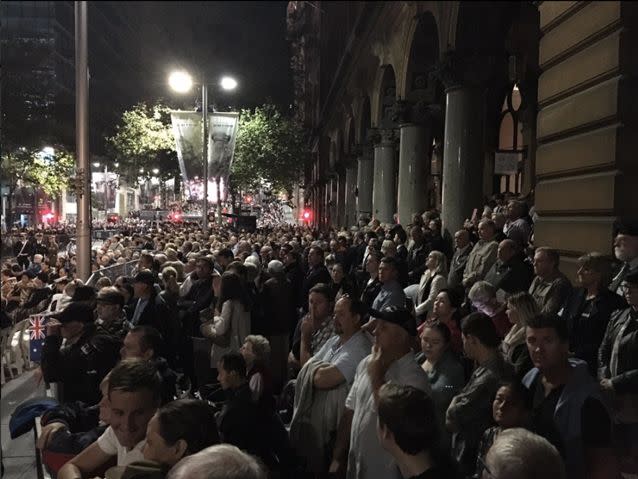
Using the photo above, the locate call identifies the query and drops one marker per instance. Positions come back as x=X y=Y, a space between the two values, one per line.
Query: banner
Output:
x=222 y=134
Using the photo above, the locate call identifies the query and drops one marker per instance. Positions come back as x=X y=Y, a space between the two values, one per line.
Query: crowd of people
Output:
x=381 y=351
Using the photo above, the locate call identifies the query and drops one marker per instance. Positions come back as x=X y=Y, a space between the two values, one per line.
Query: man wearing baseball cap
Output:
x=392 y=360
x=84 y=360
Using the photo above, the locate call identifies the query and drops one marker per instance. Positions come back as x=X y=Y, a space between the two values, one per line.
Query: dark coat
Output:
x=251 y=428
x=295 y=276
x=278 y=305
x=370 y=292
x=586 y=332
x=314 y=276
x=416 y=262
x=80 y=367
x=457 y=266
x=626 y=379
x=511 y=276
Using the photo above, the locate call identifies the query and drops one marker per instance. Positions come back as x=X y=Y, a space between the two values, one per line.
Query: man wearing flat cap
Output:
x=86 y=357
x=626 y=251
x=392 y=360
x=110 y=312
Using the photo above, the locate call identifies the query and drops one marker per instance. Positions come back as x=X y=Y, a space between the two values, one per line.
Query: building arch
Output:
x=422 y=53
x=384 y=97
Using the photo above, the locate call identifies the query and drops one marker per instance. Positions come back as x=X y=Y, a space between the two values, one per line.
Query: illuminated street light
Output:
x=180 y=81
x=155 y=171
x=228 y=83
x=96 y=164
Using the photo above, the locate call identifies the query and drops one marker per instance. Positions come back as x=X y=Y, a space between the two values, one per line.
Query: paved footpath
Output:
x=18 y=455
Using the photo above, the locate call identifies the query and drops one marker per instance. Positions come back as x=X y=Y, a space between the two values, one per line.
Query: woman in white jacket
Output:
x=433 y=280
x=230 y=326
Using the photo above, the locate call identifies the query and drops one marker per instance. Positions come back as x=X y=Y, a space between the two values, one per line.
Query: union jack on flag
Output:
x=36 y=328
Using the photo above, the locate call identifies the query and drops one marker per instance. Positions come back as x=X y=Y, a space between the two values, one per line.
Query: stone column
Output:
x=463 y=146
x=365 y=175
x=341 y=197
x=414 y=159
x=350 y=218
x=384 y=187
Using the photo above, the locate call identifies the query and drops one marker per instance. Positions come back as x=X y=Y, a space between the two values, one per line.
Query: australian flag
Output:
x=37 y=333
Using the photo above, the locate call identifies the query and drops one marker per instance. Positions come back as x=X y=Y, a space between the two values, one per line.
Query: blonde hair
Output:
x=441 y=260
x=525 y=305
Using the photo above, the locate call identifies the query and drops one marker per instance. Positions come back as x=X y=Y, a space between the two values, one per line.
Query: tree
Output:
x=144 y=140
x=29 y=167
x=269 y=152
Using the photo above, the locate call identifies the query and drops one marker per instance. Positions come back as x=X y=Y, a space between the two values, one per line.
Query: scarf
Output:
x=514 y=337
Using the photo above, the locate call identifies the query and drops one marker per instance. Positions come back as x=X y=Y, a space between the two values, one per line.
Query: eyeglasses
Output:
x=487 y=474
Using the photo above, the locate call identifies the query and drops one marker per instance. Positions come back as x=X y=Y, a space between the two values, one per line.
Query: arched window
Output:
x=511 y=151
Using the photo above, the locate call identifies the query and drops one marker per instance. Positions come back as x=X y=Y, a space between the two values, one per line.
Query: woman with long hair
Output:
x=520 y=308
x=433 y=280
x=231 y=324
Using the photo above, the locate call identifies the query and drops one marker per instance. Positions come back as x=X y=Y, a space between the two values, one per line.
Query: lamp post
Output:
x=182 y=82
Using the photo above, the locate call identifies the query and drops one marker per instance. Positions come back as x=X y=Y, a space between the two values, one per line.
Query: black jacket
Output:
x=511 y=276
x=253 y=429
x=158 y=315
x=587 y=328
x=295 y=276
x=626 y=379
x=316 y=275
x=416 y=262
x=80 y=367
x=370 y=292
x=278 y=306
x=457 y=266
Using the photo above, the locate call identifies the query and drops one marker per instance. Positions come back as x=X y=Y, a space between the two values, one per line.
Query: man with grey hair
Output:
x=221 y=461
x=510 y=274
x=520 y=454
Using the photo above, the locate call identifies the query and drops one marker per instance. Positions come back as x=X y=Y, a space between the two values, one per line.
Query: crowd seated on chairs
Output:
x=380 y=351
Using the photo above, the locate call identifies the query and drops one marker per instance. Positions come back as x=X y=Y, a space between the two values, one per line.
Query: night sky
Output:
x=246 y=40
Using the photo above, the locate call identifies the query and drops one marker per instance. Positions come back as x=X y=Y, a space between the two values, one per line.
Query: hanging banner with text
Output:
x=506 y=162
x=222 y=134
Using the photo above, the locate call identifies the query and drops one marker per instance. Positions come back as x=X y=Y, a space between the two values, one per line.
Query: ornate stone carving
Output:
x=470 y=70
x=382 y=136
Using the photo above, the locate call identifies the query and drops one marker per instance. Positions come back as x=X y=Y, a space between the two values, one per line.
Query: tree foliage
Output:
x=144 y=140
x=269 y=151
x=27 y=166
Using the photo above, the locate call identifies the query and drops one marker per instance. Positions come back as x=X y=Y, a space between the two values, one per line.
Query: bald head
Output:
x=461 y=239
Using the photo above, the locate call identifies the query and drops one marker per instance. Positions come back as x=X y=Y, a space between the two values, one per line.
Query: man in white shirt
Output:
x=392 y=360
x=133 y=396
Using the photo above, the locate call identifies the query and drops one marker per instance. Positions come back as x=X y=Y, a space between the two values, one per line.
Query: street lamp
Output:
x=182 y=82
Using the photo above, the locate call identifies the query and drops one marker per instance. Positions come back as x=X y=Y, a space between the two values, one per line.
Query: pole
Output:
x=106 y=193
x=83 y=226
x=205 y=150
x=219 y=202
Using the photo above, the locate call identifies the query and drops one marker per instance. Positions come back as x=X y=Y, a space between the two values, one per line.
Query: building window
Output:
x=510 y=143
